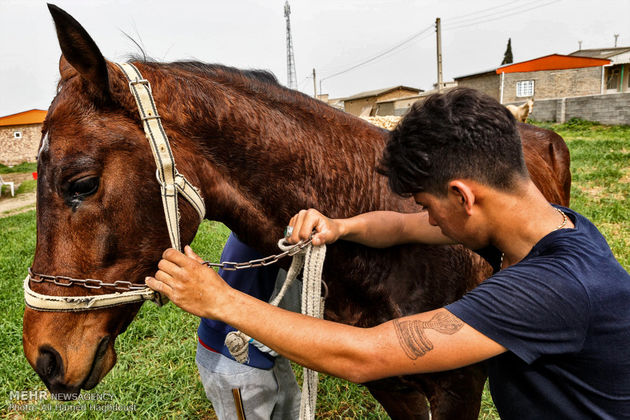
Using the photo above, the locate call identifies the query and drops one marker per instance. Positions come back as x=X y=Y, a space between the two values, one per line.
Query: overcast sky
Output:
x=331 y=36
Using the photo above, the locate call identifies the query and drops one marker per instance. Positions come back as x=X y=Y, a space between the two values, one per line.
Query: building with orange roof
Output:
x=551 y=76
x=20 y=135
x=590 y=84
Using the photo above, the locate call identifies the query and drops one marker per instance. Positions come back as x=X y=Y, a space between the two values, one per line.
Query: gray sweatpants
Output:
x=266 y=394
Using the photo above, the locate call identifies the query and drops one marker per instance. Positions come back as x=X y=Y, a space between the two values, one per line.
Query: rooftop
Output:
x=552 y=62
x=379 y=92
x=600 y=52
x=32 y=116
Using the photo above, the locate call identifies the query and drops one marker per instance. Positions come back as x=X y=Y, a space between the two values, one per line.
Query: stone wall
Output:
x=14 y=151
x=606 y=109
x=555 y=83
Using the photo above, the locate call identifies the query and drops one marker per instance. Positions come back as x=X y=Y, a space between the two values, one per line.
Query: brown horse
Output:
x=259 y=153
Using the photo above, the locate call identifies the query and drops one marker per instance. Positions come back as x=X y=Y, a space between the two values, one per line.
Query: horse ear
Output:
x=80 y=51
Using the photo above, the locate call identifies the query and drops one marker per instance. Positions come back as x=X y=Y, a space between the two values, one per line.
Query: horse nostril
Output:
x=102 y=348
x=49 y=363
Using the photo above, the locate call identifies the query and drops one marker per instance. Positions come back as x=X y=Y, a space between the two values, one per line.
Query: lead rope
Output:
x=312 y=259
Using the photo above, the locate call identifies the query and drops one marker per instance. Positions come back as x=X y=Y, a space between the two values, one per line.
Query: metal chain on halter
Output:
x=87 y=283
x=125 y=286
x=233 y=266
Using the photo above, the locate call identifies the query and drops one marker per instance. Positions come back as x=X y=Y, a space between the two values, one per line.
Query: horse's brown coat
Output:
x=259 y=153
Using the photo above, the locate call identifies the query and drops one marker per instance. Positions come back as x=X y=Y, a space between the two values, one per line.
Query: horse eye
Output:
x=83 y=187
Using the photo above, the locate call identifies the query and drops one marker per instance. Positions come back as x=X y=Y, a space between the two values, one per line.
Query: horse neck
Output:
x=260 y=153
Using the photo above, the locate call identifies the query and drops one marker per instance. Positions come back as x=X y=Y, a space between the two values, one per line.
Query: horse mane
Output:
x=254 y=75
x=212 y=69
x=263 y=83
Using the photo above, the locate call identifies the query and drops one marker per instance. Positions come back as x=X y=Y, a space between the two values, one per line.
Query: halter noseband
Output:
x=171 y=183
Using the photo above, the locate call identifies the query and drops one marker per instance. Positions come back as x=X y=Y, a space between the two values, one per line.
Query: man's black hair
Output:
x=459 y=134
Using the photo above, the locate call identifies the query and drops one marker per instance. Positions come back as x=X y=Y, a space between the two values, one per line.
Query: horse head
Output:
x=99 y=213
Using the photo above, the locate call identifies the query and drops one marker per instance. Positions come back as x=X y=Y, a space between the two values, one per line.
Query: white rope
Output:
x=312 y=259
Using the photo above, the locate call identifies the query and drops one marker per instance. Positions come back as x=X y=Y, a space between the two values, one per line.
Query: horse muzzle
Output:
x=50 y=367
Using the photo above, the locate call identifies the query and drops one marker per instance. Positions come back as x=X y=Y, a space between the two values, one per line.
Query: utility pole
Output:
x=438 y=31
x=580 y=45
x=616 y=36
x=314 y=85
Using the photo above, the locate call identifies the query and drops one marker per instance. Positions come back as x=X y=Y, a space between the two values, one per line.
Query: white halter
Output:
x=171 y=182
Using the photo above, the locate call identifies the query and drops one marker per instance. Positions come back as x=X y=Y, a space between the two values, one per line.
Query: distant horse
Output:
x=258 y=153
x=523 y=111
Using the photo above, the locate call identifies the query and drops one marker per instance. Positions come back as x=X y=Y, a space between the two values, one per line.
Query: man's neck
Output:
x=521 y=221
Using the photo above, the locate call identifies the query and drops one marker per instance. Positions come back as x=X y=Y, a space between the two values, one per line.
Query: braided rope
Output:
x=312 y=259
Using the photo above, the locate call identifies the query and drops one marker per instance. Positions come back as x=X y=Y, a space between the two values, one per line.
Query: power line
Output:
x=459 y=22
x=306 y=79
x=501 y=15
x=462 y=17
x=379 y=55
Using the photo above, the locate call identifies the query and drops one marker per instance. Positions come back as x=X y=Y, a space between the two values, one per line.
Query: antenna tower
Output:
x=291 y=76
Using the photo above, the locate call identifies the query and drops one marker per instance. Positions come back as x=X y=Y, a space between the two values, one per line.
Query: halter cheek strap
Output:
x=171 y=183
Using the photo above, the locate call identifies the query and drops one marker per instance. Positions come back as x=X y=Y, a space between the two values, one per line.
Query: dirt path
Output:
x=18 y=204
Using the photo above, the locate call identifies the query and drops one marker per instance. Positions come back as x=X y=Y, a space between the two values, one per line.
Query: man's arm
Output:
x=377 y=229
x=427 y=342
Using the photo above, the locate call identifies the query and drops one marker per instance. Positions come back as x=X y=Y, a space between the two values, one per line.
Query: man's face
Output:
x=449 y=214
x=438 y=208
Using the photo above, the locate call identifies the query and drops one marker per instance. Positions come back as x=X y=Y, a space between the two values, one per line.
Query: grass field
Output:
x=156 y=377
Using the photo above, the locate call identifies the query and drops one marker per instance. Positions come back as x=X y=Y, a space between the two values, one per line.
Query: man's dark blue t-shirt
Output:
x=563 y=313
x=258 y=282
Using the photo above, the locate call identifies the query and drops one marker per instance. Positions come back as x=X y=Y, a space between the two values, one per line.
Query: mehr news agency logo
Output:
x=42 y=400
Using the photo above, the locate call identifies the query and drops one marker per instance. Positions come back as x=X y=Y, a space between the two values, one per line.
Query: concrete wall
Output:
x=555 y=83
x=355 y=106
x=385 y=108
x=488 y=83
x=606 y=109
x=14 y=151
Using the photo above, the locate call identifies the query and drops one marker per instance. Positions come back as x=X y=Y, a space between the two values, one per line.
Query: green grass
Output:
x=600 y=169
x=24 y=167
x=27 y=186
x=156 y=370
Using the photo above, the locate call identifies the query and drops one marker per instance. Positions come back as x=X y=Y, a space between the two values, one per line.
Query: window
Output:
x=17 y=134
x=525 y=88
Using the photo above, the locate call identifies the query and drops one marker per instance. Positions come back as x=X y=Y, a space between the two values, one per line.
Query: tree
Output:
x=507 y=57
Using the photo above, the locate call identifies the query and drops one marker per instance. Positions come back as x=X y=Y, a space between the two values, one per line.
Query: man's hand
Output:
x=303 y=223
x=193 y=287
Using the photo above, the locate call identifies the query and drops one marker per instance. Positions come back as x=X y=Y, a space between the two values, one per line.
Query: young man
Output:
x=553 y=322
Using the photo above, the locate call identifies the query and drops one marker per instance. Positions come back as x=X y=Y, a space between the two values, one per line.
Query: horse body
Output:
x=259 y=153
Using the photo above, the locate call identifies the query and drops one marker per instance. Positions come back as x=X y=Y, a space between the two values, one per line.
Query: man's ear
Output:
x=463 y=194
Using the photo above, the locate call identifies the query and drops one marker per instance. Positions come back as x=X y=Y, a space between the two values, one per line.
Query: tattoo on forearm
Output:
x=411 y=333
